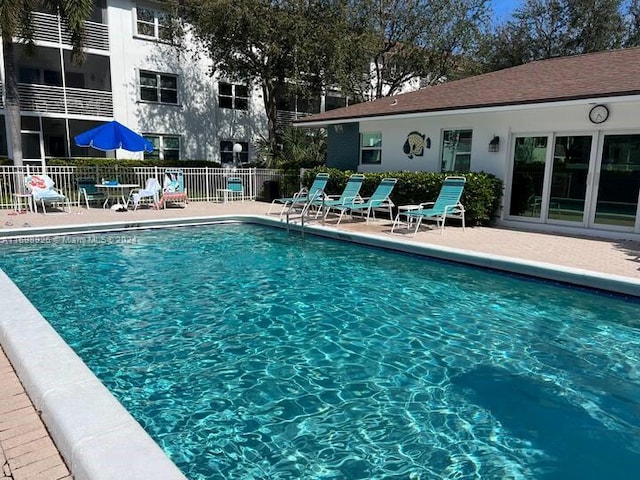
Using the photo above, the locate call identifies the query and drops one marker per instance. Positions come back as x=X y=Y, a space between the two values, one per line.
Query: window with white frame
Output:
x=371 y=148
x=233 y=96
x=227 y=154
x=158 y=87
x=165 y=147
x=456 y=150
x=152 y=23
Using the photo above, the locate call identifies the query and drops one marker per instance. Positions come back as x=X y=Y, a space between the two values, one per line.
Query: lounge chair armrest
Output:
x=457 y=208
x=426 y=204
x=357 y=201
x=351 y=200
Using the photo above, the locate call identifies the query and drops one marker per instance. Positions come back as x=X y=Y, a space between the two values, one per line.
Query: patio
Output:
x=26 y=451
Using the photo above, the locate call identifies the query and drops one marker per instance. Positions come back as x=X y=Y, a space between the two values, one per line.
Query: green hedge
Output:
x=84 y=162
x=481 y=197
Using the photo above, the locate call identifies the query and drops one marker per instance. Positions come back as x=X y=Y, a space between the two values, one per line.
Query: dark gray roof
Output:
x=602 y=74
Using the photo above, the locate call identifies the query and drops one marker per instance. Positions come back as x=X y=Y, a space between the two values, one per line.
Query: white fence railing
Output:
x=202 y=183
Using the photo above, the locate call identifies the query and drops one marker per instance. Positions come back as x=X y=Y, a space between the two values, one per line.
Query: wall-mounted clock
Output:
x=599 y=114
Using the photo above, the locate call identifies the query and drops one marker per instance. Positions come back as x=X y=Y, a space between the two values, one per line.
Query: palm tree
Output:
x=15 y=21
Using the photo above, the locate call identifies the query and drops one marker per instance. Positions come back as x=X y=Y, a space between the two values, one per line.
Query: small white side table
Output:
x=403 y=209
x=22 y=198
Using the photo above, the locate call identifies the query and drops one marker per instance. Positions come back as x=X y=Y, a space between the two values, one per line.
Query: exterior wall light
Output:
x=237 y=149
x=494 y=144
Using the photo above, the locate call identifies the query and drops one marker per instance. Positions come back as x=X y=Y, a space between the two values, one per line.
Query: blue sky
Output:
x=504 y=8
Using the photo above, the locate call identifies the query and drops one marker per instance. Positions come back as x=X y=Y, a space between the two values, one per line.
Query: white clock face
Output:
x=599 y=114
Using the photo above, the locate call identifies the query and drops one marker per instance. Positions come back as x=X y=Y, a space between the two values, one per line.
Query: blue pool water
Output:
x=249 y=354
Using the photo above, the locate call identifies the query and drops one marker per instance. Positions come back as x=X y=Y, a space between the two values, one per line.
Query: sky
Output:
x=504 y=8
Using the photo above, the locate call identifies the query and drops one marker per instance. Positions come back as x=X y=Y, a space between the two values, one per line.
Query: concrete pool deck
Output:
x=27 y=452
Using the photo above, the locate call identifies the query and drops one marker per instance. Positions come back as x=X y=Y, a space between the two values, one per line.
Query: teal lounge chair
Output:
x=446 y=205
x=235 y=189
x=42 y=191
x=304 y=196
x=378 y=200
x=350 y=195
x=88 y=192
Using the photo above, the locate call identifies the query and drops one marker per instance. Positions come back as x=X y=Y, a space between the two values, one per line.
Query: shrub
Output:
x=91 y=162
x=481 y=197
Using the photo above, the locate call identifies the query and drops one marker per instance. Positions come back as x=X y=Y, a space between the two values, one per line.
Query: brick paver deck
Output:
x=27 y=451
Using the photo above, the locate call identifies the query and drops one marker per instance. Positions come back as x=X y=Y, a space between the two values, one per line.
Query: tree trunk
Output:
x=12 y=101
x=268 y=93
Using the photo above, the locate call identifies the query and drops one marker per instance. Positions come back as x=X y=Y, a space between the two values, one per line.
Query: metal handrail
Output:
x=305 y=209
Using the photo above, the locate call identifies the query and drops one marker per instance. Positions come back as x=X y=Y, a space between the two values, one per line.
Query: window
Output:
x=165 y=147
x=158 y=87
x=456 y=150
x=233 y=96
x=153 y=23
x=371 y=148
x=29 y=75
x=74 y=79
x=226 y=152
x=39 y=77
x=334 y=100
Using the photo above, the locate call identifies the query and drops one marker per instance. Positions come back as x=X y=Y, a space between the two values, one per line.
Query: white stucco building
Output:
x=131 y=74
x=563 y=134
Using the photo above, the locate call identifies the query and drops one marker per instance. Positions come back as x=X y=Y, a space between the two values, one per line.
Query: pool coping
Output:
x=96 y=435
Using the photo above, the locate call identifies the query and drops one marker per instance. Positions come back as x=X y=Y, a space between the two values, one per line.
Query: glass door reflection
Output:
x=527 y=180
x=568 y=186
x=617 y=200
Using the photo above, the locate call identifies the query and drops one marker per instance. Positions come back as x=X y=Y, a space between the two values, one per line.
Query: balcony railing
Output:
x=49 y=28
x=51 y=99
x=285 y=118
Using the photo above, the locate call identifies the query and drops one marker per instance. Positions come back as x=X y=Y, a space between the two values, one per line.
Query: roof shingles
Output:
x=601 y=74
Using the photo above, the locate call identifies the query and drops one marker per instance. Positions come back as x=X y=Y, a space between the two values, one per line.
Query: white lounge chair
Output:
x=43 y=192
x=151 y=190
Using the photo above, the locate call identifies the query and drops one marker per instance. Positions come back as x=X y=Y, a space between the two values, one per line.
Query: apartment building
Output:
x=133 y=75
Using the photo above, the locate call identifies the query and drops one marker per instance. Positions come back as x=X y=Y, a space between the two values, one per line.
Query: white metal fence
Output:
x=202 y=183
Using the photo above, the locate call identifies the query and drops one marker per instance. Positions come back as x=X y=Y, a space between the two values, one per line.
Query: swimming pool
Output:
x=250 y=354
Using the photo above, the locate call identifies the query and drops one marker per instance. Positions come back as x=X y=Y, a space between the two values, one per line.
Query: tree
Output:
x=594 y=25
x=299 y=149
x=409 y=39
x=632 y=34
x=269 y=43
x=15 y=21
x=543 y=29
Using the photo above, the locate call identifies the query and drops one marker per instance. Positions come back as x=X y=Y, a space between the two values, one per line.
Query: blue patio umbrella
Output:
x=113 y=135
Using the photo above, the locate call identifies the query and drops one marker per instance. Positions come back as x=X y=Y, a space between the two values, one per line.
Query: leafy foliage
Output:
x=97 y=162
x=268 y=43
x=391 y=42
x=542 y=29
x=296 y=149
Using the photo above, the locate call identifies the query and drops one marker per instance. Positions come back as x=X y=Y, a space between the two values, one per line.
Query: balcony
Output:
x=285 y=118
x=49 y=28
x=51 y=99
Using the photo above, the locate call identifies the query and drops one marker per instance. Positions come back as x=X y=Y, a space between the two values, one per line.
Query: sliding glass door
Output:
x=569 y=174
x=619 y=181
x=586 y=180
x=527 y=180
